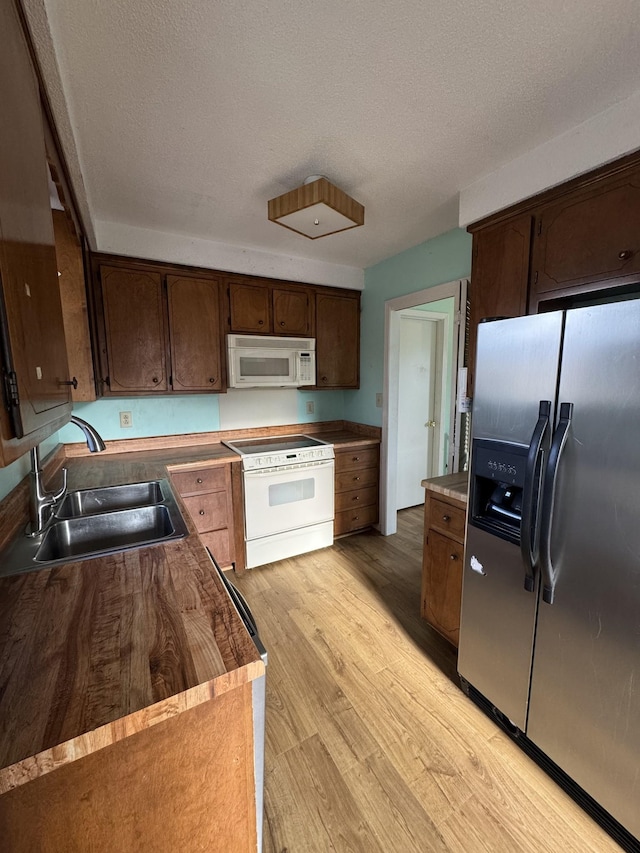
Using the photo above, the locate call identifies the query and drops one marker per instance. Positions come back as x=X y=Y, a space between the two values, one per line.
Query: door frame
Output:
x=388 y=451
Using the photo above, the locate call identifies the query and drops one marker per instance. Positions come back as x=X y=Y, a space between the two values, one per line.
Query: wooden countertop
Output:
x=452 y=485
x=93 y=651
x=96 y=650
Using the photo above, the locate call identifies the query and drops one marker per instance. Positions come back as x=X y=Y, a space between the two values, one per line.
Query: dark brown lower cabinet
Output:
x=356 y=498
x=442 y=563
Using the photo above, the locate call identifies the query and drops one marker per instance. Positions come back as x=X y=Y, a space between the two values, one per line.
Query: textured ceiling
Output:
x=189 y=116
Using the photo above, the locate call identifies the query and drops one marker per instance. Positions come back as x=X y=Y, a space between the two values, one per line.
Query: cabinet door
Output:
x=32 y=345
x=194 y=329
x=589 y=237
x=499 y=276
x=291 y=312
x=249 y=307
x=442 y=590
x=136 y=330
x=338 y=341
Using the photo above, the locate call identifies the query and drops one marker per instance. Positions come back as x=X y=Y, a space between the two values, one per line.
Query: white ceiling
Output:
x=188 y=115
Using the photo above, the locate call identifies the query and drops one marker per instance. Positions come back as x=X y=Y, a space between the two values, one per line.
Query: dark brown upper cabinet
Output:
x=158 y=333
x=33 y=354
x=499 y=277
x=269 y=309
x=194 y=329
x=576 y=241
x=588 y=237
x=337 y=339
x=136 y=334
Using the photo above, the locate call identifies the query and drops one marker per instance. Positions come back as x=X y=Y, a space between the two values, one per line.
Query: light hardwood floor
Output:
x=371 y=745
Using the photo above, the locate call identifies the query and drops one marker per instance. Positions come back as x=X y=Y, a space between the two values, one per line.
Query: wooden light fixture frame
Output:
x=320 y=191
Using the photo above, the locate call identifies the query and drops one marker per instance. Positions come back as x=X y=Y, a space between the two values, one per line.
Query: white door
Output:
x=417 y=415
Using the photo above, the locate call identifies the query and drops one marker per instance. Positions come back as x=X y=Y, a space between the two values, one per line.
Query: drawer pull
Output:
x=201 y=512
x=453 y=556
x=446 y=518
x=356 y=459
x=199 y=480
x=356 y=518
x=355 y=498
x=356 y=478
x=625 y=254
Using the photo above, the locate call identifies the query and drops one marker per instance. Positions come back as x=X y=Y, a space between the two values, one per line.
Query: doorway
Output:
x=421 y=433
x=441 y=306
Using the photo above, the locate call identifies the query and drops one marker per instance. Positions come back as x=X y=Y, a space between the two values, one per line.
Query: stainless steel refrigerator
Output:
x=550 y=626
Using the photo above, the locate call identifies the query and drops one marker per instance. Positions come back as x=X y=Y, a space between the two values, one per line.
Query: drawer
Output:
x=201 y=480
x=356 y=498
x=366 y=457
x=356 y=479
x=209 y=512
x=219 y=542
x=354 y=519
x=446 y=518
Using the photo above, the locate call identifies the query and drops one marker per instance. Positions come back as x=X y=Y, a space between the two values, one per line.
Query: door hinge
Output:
x=106 y=381
x=11 y=390
x=539 y=227
x=535 y=278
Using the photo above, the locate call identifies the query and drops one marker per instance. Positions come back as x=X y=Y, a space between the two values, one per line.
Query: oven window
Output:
x=292 y=492
x=271 y=366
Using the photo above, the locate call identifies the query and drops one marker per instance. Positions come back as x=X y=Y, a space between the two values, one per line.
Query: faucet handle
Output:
x=55 y=496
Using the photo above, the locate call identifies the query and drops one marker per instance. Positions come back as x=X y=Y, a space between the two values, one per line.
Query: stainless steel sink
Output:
x=100 y=533
x=110 y=498
x=91 y=532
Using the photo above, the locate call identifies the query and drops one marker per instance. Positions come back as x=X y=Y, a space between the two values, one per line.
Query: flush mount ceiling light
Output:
x=316 y=209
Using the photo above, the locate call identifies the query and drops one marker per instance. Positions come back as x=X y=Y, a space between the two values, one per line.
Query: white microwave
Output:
x=258 y=361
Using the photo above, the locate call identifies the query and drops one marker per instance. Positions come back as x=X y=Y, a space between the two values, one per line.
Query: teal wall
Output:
x=12 y=474
x=444 y=258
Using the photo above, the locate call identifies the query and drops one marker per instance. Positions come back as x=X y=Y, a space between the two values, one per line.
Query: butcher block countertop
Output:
x=94 y=651
x=452 y=485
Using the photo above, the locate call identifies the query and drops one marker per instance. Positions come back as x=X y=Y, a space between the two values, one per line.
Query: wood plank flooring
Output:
x=370 y=744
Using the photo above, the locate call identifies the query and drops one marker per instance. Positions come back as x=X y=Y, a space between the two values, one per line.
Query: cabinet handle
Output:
x=212 y=379
x=155 y=379
x=199 y=480
x=453 y=556
x=282 y=322
x=201 y=512
x=446 y=518
x=625 y=254
x=261 y=322
x=324 y=378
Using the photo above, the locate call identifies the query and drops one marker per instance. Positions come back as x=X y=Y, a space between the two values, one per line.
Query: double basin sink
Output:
x=94 y=522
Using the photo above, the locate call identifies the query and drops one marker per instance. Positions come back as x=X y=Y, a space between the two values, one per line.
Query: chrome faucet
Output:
x=42 y=503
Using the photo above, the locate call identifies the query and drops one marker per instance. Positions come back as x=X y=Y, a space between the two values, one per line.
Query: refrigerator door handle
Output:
x=548 y=499
x=529 y=519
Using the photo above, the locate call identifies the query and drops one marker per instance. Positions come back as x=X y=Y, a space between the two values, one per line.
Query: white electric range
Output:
x=288 y=495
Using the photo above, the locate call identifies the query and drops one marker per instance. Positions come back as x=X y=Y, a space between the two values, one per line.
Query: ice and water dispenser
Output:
x=497 y=484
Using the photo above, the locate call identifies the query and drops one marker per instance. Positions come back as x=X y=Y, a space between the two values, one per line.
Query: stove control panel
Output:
x=288 y=458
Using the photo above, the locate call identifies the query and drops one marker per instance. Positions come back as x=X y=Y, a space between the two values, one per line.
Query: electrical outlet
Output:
x=125 y=419
x=378 y=400
x=310 y=407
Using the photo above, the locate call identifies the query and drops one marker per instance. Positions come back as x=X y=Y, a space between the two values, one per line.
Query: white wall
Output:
x=605 y=137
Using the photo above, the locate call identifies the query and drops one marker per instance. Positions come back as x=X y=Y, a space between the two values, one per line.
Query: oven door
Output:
x=288 y=498
x=262 y=368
